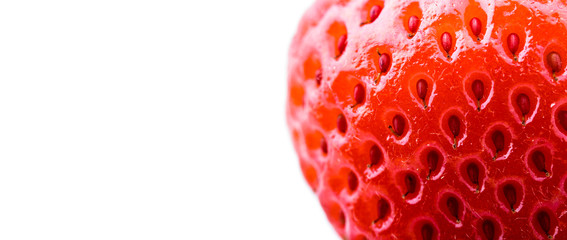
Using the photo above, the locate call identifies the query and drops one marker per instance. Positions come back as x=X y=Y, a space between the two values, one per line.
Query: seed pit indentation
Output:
x=545 y=222
x=352 y=181
x=383 y=210
x=310 y=174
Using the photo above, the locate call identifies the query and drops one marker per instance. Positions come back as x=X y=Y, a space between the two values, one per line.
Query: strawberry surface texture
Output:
x=433 y=119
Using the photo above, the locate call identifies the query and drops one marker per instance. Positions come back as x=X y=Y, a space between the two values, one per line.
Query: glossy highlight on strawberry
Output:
x=433 y=119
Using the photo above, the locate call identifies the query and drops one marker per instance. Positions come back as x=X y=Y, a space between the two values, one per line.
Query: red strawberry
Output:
x=433 y=119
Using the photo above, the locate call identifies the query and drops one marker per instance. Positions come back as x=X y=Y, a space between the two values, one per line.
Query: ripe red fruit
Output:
x=437 y=135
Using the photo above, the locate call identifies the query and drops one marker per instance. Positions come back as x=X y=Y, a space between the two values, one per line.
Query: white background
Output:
x=153 y=119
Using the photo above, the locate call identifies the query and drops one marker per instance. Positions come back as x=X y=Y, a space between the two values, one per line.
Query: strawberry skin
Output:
x=433 y=119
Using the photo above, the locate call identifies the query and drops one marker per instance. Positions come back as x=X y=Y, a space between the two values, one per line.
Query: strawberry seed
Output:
x=398 y=124
x=513 y=44
x=413 y=24
x=421 y=88
x=476 y=27
x=427 y=231
x=498 y=141
x=446 y=42
x=554 y=62
x=488 y=229
x=432 y=160
x=478 y=91
x=510 y=195
x=523 y=102
x=538 y=158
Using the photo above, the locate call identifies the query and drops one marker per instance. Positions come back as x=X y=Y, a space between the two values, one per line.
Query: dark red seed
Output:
x=562 y=117
x=472 y=171
x=341 y=46
x=352 y=181
x=384 y=62
x=554 y=62
x=421 y=87
x=427 y=232
x=544 y=221
x=538 y=158
x=324 y=146
x=413 y=24
x=476 y=26
x=383 y=209
x=488 y=229
x=399 y=123
x=478 y=89
x=513 y=42
x=432 y=160
x=498 y=140
x=341 y=123
x=342 y=218
x=446 y=41
x=453 y=206
x=318 y=76
x=510 y=195
x=375 y=155
x=523 y=103
x=375 y=12
x=359 y=93
x=455 y=125
x=410 y=184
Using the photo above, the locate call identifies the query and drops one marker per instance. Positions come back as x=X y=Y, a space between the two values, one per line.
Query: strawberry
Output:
x=433 y=119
